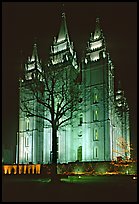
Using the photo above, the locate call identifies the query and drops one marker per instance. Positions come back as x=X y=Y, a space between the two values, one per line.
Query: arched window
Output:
x=81 y=120
x=95 y=96
x=80 y=133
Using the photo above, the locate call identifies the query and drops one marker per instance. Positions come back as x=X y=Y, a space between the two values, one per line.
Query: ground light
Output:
x=134 y=177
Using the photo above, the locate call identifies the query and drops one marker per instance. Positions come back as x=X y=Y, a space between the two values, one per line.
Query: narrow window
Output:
x=27 y=122
x=95 y=134
x=26 y=156
x=27 y=141
x=95 y=152
x=95 y=115
x=79 y=153
x=81 y=120
x=95 y=97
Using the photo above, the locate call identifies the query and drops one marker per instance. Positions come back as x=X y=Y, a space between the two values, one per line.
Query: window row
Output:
x=95 y=153
x=95 y=117
x=95 y=134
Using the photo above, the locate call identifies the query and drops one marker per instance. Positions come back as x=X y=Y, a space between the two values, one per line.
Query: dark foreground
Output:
x=74 y=189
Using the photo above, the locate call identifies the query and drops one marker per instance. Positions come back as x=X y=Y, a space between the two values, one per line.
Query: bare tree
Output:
x=58 y=92
x=122 y=147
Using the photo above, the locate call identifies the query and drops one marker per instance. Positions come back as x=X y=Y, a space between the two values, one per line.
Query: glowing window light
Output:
x=5 y=169
x=38 y=168
x=15 y=169
x=20 y=169
x=9 y=169
x=29 y=168
x=25 y=169
x=33 y=167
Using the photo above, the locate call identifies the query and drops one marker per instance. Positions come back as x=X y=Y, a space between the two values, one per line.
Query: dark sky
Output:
x=23 y=22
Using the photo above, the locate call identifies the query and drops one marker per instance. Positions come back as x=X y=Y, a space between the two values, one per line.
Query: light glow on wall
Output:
x=96 y=45
x=60 y=47
x=94 y=56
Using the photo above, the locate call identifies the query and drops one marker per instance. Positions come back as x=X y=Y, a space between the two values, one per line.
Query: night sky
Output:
x=24 y=22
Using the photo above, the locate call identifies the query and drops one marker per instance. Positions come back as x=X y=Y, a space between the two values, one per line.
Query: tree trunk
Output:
x=54 y=176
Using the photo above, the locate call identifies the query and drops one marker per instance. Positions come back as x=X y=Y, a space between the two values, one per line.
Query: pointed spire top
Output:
x=34 y=53
x=63 y=10
x=97 y=33
x=63 y=33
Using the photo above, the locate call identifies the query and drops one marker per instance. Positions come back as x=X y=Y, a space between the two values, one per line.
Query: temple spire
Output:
x=97 y=33
x=63 y=33
x=35 y=53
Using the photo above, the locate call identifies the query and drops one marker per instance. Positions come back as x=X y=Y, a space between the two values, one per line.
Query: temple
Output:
x=100 y=131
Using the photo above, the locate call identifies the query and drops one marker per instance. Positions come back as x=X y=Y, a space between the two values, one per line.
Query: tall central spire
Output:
x=62 y=50
x=63 y=33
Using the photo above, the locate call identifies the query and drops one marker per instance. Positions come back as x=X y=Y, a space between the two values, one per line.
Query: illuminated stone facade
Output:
x=100 y=132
